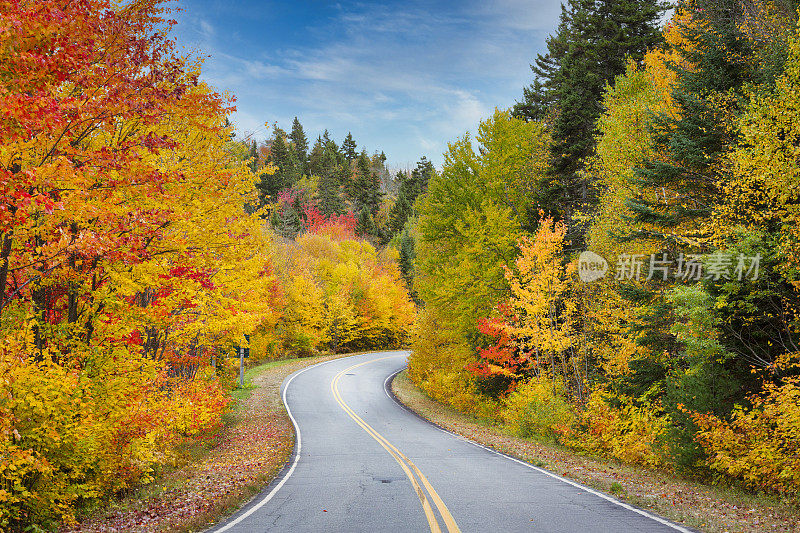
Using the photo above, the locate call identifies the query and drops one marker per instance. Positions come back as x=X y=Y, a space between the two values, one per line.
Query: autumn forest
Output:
x=611 y=264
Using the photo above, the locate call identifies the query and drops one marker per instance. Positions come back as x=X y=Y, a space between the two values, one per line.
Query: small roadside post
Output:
x=241 y=367
x=243 y=352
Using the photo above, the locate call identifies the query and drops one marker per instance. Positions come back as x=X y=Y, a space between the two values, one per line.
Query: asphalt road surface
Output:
x=364 y=463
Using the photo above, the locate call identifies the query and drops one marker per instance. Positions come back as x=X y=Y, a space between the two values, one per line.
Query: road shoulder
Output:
x=248 y=453
x=711 y=509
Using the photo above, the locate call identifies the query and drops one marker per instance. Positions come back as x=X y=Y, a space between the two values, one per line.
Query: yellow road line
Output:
x=426 y=506
x=401 y=459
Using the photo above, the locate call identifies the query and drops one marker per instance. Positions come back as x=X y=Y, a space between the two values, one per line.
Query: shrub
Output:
x=74 y=435
x=628 y=433
x=760 y=446
x=539 y=408
x=437 y=366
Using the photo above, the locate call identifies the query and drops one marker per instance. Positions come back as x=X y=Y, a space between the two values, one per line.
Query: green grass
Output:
x=241 y=394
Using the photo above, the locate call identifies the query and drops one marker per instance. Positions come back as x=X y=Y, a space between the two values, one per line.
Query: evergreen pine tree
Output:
x=326 y=162
x=697 y=142
x=421 y=175
x=605 y=34
x=365 y=225
x=411 y=186
x=289 y=222
x=300 y=143
x=349 y=148
x=253 y=155
x=407 y=256
x=403 y=208
x=270 y=184
x=330 y=195
x=539 y=99
x=690 y=171
x=365 y=186
x=331 y=148
x=594 y=40
x=281 y=157
x=296 y=168
x=315 y=158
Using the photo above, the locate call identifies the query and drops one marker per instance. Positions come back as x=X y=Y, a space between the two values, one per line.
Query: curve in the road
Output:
x=390 y=394
x=405 y=463
x=349 y=480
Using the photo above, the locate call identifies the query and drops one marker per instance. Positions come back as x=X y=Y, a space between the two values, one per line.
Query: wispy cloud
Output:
x=404 y=78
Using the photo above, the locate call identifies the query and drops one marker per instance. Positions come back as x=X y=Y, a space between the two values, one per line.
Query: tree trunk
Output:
x=5 y=252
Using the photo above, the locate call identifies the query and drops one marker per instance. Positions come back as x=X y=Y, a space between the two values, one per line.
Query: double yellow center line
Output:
x=405 y=463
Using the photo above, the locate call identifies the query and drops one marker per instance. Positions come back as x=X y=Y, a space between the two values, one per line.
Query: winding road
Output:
x=363 y=462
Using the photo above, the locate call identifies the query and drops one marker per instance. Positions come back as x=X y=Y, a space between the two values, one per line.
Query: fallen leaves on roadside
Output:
x=247 y=455
x=707 y=508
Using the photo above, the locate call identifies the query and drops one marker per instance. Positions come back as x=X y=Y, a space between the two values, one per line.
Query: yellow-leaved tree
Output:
x=341 y=294
x=542 y=323
x=127 y=257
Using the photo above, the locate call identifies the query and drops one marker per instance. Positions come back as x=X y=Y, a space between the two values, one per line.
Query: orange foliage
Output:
x=339 y=227
x=629 y=433
x=126 y=257
x=760 y=446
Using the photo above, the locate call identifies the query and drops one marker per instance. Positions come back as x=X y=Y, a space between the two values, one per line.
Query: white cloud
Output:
x=405 y=82
x=206 y=29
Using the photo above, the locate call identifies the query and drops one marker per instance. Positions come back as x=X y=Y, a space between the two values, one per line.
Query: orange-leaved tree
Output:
x=126 y=256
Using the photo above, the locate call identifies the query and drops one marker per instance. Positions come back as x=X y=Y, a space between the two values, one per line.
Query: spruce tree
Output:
x=411 y=186
x=331 y=148
x=421 y=175
x=300 y=143
x=539 y=99
x=594 y=40
x=403 y=208
x=407 y=256
x=696 y=144
x=605 y=35
x=289 y=222
x=690 y=170
x=330 y=195
x=281 y=157
x=315 y=158
x=326 y=162
x=326 y=137
x=365 y=186
x=253 y=155
x=365 y=225
x=349 y=148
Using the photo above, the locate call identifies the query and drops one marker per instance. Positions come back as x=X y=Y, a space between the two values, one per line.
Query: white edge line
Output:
x=543 y=471
x=390 y=376
x=288 y=474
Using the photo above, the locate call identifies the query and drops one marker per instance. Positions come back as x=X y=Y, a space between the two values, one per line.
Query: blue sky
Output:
x=403 y=77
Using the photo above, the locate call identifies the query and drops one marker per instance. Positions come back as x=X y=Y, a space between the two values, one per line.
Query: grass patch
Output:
x=240 y=394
